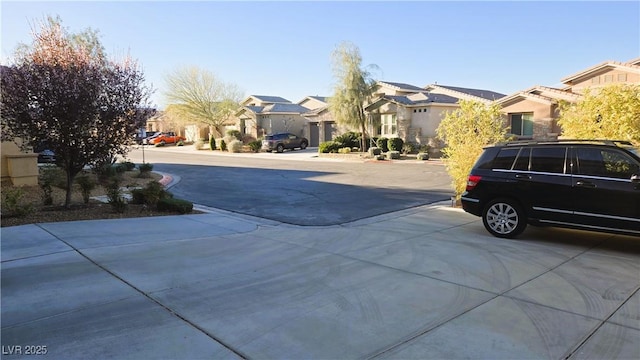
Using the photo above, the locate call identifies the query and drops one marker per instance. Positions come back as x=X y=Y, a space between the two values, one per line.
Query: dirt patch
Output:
x=31 y=200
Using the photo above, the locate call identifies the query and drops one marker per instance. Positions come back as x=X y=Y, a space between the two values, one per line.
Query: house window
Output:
x=389 y=125
x=622 y=77
x=522 y=124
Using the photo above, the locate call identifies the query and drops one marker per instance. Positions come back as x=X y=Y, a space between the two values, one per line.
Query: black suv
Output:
x=584 y=184
x=279 y=142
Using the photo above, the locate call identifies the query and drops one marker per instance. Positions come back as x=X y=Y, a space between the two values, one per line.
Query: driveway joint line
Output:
x=152 y=299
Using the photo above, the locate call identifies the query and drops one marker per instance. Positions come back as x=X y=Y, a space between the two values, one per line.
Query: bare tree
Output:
x=63 y=90
x=197 y=95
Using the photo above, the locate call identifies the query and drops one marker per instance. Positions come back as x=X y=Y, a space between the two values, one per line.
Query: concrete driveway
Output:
x=428 y=282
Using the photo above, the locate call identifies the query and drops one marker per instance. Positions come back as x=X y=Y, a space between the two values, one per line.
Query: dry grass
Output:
x=33 y=197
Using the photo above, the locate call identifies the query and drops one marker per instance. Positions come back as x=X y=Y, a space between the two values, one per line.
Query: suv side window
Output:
x=548 y=159
x=605 y=162
x=505 y=158
x=522 y=164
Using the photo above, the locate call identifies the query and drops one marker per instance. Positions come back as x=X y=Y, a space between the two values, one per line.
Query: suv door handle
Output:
x=588 y=184
x=523 y=176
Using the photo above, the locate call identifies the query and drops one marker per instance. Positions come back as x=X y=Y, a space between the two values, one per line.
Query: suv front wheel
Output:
x=504 y=218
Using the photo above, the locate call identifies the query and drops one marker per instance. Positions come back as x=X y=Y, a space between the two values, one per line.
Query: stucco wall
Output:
x=293 y=123
x=544 y=122
x=605 y=78
x=21 y=168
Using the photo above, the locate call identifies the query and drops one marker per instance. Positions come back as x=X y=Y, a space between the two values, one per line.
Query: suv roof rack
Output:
x=536 y=142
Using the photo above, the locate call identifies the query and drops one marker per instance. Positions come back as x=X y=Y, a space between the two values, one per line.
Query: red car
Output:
x=166 y=138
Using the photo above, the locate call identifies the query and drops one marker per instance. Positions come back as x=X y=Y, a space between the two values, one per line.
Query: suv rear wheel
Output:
x=280 y=148
x=504 y=218
x=303 y=145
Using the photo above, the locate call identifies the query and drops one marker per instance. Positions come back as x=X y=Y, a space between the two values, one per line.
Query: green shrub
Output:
x=349 y=139
x=422 y=156
x=114 y=196
x=373 y=151
x=409 y=148
x=393 y=154
x=212 y=143
x=395 y=144
x=235 y=146
x=382 y=144
x=329 y=147
x=255 y=145
x=128 y=165
x=150 y=194
x=180 y=143
x=424 y=148
x=199 y=144
x=178 y=205
x=86 y=185
x=235 y=134
x=145 y=170
x=14 y=204
x=51 y=176
x=344 y=150
x=223 y=145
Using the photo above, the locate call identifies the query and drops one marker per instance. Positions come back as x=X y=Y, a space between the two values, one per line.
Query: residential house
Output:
x=262 y=115
x=322 y=125
x=413 y=113
x=533 y=113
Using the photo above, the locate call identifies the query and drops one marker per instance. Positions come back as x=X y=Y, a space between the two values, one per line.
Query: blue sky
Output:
x=284 y=48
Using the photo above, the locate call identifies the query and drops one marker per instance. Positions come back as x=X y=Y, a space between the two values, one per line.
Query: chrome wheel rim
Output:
x=502 y=218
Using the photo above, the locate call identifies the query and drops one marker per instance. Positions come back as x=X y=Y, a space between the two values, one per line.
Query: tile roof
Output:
x=271 y=99
x=412 y=100
x=402 y=86
x=284 y=108
x=629 y=66
x=320 y=98
x=481 y=93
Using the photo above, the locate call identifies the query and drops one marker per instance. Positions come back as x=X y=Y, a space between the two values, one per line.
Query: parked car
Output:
x=141 y=139
x=583 y=184
x=45 y=154
x=280 y=142
x=165 y=138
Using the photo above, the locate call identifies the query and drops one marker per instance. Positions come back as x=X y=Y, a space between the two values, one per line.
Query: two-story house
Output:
x=533 y=113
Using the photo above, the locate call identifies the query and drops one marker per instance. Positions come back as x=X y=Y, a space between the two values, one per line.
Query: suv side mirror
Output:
x=635 y=178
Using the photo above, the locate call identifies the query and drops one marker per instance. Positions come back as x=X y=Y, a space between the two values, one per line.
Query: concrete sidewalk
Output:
x=428 y=282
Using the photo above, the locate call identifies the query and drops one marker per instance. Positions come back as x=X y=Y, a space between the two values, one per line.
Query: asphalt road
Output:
x=298 y=187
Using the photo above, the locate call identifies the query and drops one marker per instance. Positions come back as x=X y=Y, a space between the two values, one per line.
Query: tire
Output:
x=303 y=145
x=504 y=218
x=163 y=143
x=280 y=148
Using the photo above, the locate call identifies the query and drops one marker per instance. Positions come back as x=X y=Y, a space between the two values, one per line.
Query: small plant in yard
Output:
x=86 y=186
x=223 y=145
x=180 y=143
x=150 y=194
x=382 y=144
x=235 y=134
x=374 y=151
x=145 y=170
x=128 y=165
x=395 y=144
x=178 y=205
x=235 y=146
x=422 y=156
x=409 y=148
x=114 y=195
x=255 y=145
x=212 y=143
x=14 y=204
x=49 y=177
x=329 y=147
